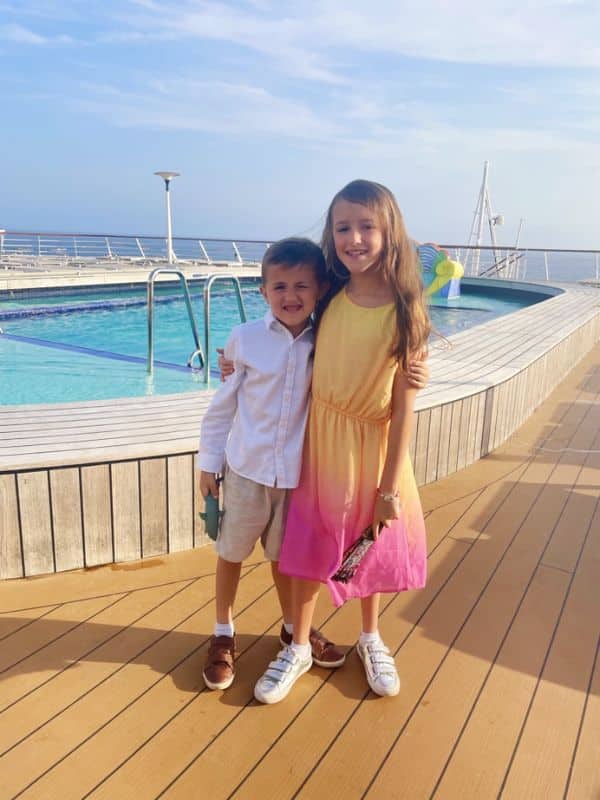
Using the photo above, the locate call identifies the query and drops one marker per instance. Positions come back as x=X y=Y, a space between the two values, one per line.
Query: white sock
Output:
x=289 y=628
x=369 y=638
x=224 y=629
x=301 y=650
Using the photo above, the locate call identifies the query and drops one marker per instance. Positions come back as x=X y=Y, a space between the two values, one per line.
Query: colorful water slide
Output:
x=441 y=274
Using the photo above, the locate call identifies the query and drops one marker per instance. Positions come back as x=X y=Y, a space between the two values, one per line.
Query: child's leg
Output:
x=295 y=659
x=283 y=585
x=379 y=665
x=369 y=607
x=227 y=581
x=324 y=652
x=245 y=519
x=219 y=670
x=304 y=600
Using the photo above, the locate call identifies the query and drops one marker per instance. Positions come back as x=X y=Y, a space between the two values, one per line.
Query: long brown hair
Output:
x=398 y=264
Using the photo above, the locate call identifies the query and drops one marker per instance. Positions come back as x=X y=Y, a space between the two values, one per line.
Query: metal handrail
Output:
x=188 y=301
x=138 y=247
x=240 y=301
x=507 y=262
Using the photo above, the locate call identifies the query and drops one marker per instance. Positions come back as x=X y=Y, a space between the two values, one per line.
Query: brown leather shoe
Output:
x=324 y=653
x=219 y=671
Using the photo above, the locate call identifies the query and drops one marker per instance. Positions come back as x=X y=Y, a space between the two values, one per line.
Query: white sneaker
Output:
x=380 y=668
x=281 y=675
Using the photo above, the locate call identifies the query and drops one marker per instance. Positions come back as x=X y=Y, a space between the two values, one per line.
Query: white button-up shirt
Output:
x=256 y=419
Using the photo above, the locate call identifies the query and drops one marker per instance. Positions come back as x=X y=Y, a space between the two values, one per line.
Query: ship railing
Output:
x=528 y=263
x=49 y=252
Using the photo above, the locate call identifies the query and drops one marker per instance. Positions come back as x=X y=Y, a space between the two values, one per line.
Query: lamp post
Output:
x=167 y=177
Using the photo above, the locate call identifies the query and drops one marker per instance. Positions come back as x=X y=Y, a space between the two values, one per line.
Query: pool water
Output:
x=93 y=345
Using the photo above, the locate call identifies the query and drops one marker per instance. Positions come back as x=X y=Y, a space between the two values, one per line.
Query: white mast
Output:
x=483 y=211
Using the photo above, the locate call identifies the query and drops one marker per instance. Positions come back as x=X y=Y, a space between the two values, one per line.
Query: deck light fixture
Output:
x=167 y=177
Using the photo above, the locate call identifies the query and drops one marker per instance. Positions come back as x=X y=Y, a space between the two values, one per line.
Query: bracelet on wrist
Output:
x=389 y=497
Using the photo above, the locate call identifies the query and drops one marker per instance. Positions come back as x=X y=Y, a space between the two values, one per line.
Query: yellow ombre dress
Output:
x=344 y=453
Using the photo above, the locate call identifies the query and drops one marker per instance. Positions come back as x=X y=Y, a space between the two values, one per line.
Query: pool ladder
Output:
x=199 y=352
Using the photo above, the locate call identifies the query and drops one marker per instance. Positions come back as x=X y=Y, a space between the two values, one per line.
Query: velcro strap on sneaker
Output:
x=319 y=644
x=221 y=655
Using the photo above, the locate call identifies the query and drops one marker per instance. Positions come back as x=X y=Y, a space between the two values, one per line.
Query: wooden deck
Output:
x=101 y=692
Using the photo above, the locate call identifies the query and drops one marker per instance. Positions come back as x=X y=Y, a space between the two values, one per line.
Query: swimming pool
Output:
x=71 y=345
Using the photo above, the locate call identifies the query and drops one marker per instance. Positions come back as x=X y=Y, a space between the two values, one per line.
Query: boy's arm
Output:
x=218 y=419
x=417 y=372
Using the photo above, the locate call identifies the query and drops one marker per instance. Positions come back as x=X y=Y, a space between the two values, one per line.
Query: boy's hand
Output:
x=209 y=484
x=225 y=365
x=417 y=373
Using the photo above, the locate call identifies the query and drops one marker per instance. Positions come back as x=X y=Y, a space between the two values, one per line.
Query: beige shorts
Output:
x=251 y=512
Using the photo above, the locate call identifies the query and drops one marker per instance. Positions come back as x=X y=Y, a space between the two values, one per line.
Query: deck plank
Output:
x=126 y=518
x=546 y=745
x=66 y=518
x=181 y=478
x=16 y=620
x=153 y=500
x=97 y=516
x=36 y=522
x=584 y=780
x=11 y=556
x=42 y=632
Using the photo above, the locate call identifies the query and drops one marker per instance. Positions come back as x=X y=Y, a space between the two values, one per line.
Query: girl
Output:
x=356 y=470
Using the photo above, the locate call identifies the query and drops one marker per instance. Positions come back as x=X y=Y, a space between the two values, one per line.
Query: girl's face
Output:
x=357 y=236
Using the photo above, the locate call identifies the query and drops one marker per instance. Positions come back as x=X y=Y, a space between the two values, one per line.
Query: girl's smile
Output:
x=357 y=236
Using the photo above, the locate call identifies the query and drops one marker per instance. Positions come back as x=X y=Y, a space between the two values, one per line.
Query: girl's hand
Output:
x=226 y=366
x=209 y=484
x=417 y=373
x=384 y=513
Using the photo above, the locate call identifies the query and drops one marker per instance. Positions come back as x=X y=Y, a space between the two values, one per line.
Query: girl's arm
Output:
x=403 y=402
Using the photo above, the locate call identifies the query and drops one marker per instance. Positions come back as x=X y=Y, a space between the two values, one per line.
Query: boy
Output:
x=255 y=425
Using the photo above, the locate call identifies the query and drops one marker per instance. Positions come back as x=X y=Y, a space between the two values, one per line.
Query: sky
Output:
x=267 y=108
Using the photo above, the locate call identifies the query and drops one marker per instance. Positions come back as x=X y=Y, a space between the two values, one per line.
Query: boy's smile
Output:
x=292 y=293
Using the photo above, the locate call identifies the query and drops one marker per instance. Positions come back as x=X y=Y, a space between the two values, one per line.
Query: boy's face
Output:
x=292 y=293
